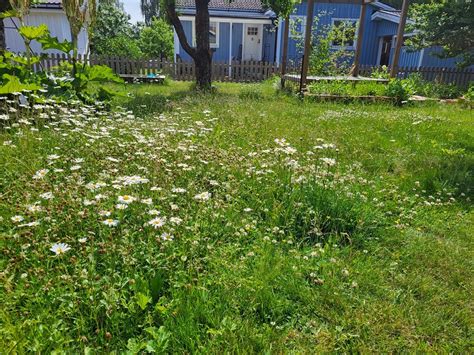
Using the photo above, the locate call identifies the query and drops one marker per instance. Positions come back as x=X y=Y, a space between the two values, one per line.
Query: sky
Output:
x=132 y=7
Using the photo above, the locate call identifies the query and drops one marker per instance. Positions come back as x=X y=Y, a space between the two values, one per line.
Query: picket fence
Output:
x=237 y=71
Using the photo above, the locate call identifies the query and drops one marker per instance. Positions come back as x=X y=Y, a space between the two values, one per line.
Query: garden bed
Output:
x=348 y=98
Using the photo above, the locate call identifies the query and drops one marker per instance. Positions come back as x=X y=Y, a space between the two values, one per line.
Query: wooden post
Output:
x=400 y=33
x=307 y=45
x=360 y=39
x=284 y=56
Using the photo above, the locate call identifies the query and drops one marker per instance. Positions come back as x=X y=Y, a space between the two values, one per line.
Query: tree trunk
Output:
x=3 y=44
x=202 y=55
x=4 y=6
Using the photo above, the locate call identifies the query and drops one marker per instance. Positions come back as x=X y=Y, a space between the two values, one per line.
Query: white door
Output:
x=253 y=35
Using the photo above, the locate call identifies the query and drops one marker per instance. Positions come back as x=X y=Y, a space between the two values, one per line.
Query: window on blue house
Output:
x=297 y=26
x=344 y=33
x=213 y=34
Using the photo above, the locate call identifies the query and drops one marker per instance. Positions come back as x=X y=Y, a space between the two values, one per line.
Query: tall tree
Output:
x=398 y=3
x=4 y=6
x=201 y=54
x=150 y=9
x=448 y=24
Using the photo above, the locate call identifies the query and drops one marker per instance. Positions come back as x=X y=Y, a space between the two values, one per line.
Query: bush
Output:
x=397 y=91
x=156 y=41
x=121 y=46
x=469 y=96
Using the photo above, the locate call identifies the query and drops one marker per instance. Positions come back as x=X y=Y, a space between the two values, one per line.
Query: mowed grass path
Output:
x=288 y=226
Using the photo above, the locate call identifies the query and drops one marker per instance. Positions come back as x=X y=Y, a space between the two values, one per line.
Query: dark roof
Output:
x=241 y=5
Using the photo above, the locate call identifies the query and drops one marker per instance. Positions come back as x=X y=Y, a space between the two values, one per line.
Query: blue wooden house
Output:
x=246 y=30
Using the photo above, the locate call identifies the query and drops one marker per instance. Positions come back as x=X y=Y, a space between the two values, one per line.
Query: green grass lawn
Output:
x=238 y=222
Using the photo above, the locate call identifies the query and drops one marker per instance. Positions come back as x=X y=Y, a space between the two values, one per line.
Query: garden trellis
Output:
x=360 y=37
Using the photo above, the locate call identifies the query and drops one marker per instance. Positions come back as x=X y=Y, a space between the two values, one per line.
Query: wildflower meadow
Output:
x=241 y=221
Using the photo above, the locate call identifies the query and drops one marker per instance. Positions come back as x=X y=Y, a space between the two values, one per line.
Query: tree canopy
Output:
x=150 y=10
x=448 y=24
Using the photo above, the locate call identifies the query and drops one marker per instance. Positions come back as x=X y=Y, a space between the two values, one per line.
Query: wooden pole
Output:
x=307 y=45
x=284 y=57
x=360 y=39
x=400 y=33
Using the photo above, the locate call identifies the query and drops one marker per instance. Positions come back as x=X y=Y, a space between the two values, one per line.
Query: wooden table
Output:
x=159 y=79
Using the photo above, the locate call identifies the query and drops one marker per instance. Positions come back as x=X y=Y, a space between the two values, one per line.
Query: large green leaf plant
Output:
x=21 y=72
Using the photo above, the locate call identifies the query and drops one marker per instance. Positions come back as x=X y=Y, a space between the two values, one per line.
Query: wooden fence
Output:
x=239 y=71
x=459 y=77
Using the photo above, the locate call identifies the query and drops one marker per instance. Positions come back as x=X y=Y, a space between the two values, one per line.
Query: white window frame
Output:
x=303 y=26
x=346 y=19
x=212 y=45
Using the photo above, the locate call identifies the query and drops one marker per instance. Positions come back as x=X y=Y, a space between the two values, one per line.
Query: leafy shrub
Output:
x=380 y=73
x=397 y=91
x=122 y=46
x=157 y=40
x=443 y=91
x=469 y=96
x=416 y=85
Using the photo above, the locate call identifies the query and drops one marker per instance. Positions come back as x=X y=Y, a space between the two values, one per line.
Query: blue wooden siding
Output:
x=385 y=28
x=188 y=30
x=325 y=12
x=221 y=53
x=237 y=29
x=430 y=60
x=268 y=50
x=408 y=58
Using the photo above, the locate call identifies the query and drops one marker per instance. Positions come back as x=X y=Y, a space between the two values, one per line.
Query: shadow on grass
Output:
x=147 y=103
x=453 y=172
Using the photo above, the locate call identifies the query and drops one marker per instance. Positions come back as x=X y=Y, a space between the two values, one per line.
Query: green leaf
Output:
x=14 y=85
x=24 y=60
x=34 y=32
x=49 y=42
x=102 y=73
x=134 y=346
x=142 y=300
x=160 y=339
x=9 y=13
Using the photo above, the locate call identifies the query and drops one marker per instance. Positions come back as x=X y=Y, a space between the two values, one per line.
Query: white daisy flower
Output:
x=34 y=208
x=40 y=174
x=121 y=206
x=176 y=220
x=157 y=222
x=17 y=219
x=47 y=196
x=60 y=248
x=104 y=213
x=203 y=196
x=147 y=201
x=111 y=222
x=126 y=199
x=166 y=237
